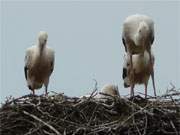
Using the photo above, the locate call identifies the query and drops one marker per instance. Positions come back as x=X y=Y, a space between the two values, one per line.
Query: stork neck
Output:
x=137 y=38
x=41 y=49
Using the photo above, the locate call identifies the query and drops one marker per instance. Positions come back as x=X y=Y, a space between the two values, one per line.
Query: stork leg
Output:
x=145 y=90
x=153 y=82
x=151 y=60
x=131 y=76
x=152 y=71
x=132 y=90
x=46 y=86
x=46 y=91
x=33 y=92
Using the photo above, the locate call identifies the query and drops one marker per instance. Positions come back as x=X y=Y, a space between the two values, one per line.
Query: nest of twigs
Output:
x=58 y=114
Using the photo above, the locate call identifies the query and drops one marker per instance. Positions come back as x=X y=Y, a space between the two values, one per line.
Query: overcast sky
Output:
x=86 y=37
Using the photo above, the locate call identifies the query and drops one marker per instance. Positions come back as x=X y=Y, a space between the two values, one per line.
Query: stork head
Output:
x=143 y=28
x=126 y=78
x=142 y=33
x=42 y=38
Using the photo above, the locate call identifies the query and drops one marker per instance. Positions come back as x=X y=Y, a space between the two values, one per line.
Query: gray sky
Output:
x=86 y=37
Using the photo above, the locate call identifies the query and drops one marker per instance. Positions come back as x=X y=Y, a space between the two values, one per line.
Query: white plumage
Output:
x=110 y=89
x=39 y=63
x=137 y=37
x=142 y=71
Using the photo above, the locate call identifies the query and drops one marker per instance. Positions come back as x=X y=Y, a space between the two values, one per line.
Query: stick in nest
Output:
x=46 y=124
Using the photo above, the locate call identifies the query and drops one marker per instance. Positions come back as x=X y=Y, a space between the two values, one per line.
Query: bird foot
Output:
x=33 y=92
x=46 y=94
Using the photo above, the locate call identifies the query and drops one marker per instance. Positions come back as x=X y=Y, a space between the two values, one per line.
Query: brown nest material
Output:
x=58 y=114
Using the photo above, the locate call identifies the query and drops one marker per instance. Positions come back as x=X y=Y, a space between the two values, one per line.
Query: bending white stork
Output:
x=39 y=64
x=142 y=71
x=138 y=36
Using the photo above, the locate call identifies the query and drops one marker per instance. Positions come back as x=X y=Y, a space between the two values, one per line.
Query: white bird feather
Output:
x=110 y=89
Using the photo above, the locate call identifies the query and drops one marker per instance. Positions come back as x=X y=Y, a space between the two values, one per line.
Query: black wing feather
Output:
x=25 y=72
x=124 y=43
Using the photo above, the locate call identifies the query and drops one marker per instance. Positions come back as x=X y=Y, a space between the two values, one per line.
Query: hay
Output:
x=58 y=114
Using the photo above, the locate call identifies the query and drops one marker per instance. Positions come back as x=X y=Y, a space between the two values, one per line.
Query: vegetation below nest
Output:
x=58 y=114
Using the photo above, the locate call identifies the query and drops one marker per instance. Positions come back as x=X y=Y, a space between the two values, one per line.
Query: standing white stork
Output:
x=142 y=71
x=138 y=36
x=39 y=63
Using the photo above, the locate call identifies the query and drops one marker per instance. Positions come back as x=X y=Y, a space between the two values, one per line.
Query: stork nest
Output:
x=58 y=114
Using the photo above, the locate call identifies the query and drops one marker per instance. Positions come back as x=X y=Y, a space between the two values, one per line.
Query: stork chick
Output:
x=110 y=89
x=142 y=71
x=39 y=63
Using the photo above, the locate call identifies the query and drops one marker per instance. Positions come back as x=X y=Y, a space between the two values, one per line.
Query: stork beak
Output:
x=45 y=42
x=42 y=47
x=126 y=85
x=143 y=44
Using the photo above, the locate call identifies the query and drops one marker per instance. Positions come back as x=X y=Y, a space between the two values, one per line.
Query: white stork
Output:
x=110 y=89
x=138 y=36
x=39 y=63
x=142 y=71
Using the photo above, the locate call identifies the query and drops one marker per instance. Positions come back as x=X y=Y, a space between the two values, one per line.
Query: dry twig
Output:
x=61 y=115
